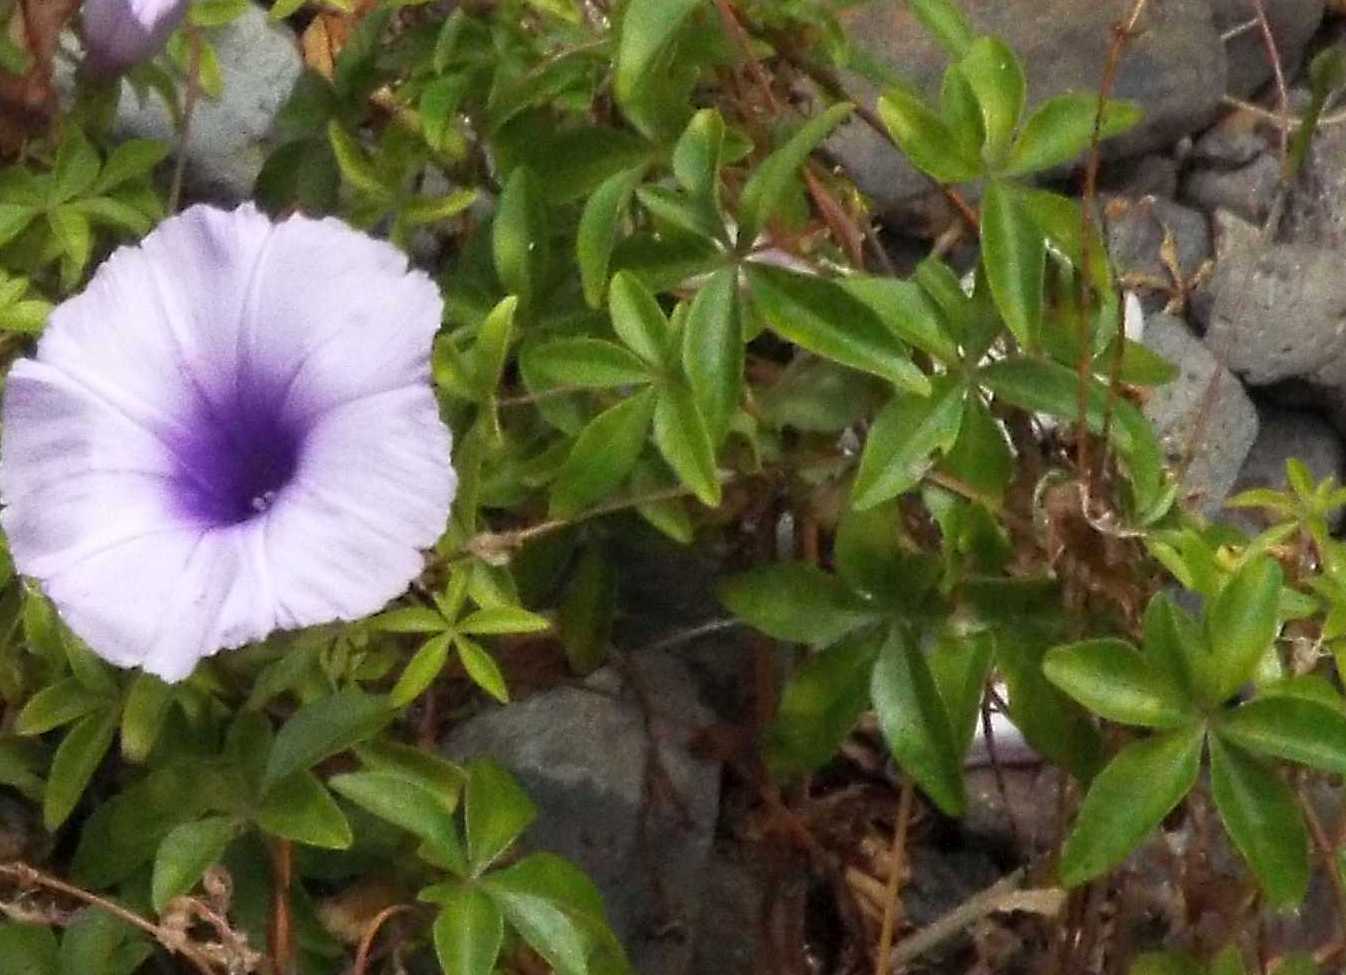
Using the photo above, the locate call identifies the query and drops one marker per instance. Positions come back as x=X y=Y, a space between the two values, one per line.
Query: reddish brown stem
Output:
x=371 y=932
x=1122 y=33
x=282 y=876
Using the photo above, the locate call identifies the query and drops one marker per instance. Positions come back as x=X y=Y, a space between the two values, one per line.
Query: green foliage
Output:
x=656 y=307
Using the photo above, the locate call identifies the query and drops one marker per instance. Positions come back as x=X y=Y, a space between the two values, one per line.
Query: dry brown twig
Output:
x=362 y=955
x=171 y=937
x=1122 y=34
x=897 y=867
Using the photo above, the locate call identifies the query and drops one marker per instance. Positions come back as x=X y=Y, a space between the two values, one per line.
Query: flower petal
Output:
x=120 y=33
x=231 y=430
x=156 y=332
x=67 y=455
x=341 y=313
x=373 y=488
x=119 y=599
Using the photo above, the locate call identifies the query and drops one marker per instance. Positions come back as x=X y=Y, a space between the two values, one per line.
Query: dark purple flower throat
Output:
x=236 y=457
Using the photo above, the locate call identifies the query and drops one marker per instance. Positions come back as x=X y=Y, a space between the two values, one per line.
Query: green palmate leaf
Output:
x=587 y=612
x=575 y=161
x=1299 y=730
x=186 y=853
x=1052 y=722
x=868 y=551
x=1263 y=820
x=766 y=188
x=147 y=703
x=648 y=29
x=795 y=601
x=482 y=668
x=981 y=457
x=497 y=813
x=902 y=442
x=712 y=351
x=555 y=909
x=72 y=232
x=1129 y=798
x=603 y=455
x=926 y=139
x=57 y=704
x=669 y=209
x=438 y=775
x=682 y=438
x=597 y=234
x=88 y=669
x=18 y=763
x=75 y=169
x=585 y=362
x=1243 y=622
x=519 y=237
x=1061 y=128
x=916 y=724
x=14 y=58
x=97 y=943
x=323 y=728
x=1327 y=74
x=76 y=759
x=639 y=321
x=696 y=158
x=299 y=808
x=411 y=619
x=421 y=670
x=1228 y=962
x=1175 y=645
x=26 y=949
x=946 y=21
x=132 y=159
x=1297 y=963
x=1112 y=679
x=821 y=703
x=216 y=13
x=408 y=804
x=14 y=218
x=469 y=931
x=959 y=106
x=491 y=352
x=502 y=620
x=904 y=307
x=821 y=316
x=1165 y=963
x=994 y=74
x=960 y=665
x=1014 y=254
x=1044 y=386
x=356 y=167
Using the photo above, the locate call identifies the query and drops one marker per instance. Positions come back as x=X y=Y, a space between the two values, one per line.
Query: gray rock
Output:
x=1205 y=411
x=1286 y=434
x=584 y=756
x=1153 y=175
x=1175 y=68
x=728 y=942
x=1235 y=141
x=1136 y=231
x=1247 y=191
x=1293 y=24
x=1279 y=311
x=1283 y=434
x=259 y=62
x=1317 y=209
x=1018 y=819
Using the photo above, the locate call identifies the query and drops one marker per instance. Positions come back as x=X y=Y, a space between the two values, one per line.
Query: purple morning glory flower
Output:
x=121 y=33
x=230 y=431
